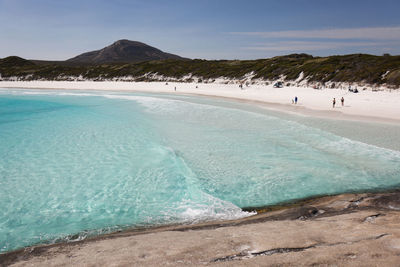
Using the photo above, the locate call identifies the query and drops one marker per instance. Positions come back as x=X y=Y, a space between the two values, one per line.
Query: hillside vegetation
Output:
x=355 y=68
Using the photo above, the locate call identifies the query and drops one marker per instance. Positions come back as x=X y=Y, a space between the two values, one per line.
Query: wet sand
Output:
x=342 y=230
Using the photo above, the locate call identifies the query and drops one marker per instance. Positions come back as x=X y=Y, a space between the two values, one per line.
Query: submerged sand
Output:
x=343 y=230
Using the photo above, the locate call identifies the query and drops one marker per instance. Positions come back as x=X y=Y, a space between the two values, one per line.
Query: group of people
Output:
x=294 y=101
x=334 y=102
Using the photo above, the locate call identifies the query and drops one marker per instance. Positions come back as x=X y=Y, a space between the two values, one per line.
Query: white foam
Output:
x=191 y=212
x=53 y=93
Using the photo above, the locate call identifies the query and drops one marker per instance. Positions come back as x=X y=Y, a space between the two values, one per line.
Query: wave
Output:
x=194 y=205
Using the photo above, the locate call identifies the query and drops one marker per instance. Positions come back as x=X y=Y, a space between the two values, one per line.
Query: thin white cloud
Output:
x=310 y=45
x=372 y=33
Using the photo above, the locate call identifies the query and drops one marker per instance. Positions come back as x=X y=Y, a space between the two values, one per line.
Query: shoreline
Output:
x=365 y=106
x=309 y=209
x=260 y=211
x=361 y=210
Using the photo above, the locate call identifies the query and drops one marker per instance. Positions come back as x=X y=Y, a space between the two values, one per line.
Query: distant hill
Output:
x=123 y=51
x=295 y=69
x=14 y=61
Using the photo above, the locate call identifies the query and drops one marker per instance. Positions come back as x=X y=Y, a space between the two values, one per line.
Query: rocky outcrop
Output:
x=343 y=230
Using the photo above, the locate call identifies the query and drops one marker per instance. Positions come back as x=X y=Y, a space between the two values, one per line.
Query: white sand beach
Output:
x=381 y=105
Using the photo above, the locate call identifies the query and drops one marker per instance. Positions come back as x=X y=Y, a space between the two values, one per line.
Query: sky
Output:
x=206 y=29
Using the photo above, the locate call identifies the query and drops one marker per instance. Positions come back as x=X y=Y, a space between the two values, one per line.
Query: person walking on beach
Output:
x=295 y=99
x=342 y=100
x=334 y=102
x=175 y=88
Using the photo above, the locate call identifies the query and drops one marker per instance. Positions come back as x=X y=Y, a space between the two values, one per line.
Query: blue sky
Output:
x=210 y=29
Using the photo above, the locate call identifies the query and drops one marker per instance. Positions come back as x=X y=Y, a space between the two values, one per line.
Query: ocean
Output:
x=82 y=163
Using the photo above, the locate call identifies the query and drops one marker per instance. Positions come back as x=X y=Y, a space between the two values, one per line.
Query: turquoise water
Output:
x=74 y=164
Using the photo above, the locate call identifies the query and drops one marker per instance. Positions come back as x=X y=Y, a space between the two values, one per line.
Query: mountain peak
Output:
x=123 y=51
x=127 y=42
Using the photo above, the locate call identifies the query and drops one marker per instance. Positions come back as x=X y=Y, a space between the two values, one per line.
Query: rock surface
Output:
x=343 y=230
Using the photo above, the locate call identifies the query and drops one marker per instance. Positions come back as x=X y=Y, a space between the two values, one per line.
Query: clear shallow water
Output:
x=74 y=164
